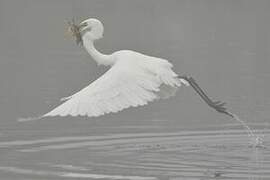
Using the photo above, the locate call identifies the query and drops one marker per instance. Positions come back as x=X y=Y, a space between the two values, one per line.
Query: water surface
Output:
x=212 y=153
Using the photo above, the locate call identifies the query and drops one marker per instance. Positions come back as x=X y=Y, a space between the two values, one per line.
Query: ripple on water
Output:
x=194 y=154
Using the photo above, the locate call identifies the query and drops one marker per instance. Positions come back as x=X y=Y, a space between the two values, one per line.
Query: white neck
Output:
x=101 y=59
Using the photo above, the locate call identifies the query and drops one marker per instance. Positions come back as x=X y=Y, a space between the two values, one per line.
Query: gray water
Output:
x=211 y=153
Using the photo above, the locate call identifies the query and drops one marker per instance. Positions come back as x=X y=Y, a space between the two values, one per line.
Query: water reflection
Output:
x=211 y=154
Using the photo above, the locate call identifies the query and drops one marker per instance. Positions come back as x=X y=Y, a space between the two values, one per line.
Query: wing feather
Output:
x=123 y=85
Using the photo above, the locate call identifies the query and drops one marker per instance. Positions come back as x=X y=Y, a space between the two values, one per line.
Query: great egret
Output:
x=134 y=79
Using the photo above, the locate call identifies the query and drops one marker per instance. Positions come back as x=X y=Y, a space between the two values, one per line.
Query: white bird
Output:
x=134 y=79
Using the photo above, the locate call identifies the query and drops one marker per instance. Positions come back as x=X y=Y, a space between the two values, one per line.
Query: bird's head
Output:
x=91 y=27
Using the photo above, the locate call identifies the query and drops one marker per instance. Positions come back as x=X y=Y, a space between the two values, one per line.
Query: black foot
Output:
x=217 y=105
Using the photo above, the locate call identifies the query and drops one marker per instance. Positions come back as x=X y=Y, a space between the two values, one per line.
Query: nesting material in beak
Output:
x=74 y=31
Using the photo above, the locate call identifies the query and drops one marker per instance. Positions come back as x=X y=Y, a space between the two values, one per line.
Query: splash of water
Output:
x=256 y=141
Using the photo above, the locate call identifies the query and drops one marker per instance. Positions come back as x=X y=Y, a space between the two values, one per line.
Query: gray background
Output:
x=224 y=44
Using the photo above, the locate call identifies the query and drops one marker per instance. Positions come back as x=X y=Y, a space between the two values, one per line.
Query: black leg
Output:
x=217 y=105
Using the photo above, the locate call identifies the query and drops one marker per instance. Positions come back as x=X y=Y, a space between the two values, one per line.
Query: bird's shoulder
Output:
x=133 y=56
x=126 y=56
x=125 y=53
x=130 y=55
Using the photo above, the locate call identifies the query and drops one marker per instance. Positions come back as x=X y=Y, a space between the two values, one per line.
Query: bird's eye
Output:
x=83 y=25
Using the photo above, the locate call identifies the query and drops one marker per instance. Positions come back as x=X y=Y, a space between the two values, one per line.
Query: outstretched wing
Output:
x=122 y=86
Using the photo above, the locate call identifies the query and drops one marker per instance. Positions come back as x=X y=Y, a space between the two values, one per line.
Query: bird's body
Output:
x=127 y=84
x=134 y=79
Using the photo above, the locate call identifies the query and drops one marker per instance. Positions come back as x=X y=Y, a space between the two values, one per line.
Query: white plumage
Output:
x=134 y=79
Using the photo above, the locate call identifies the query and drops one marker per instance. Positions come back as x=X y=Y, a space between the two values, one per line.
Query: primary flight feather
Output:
x=134 y=79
